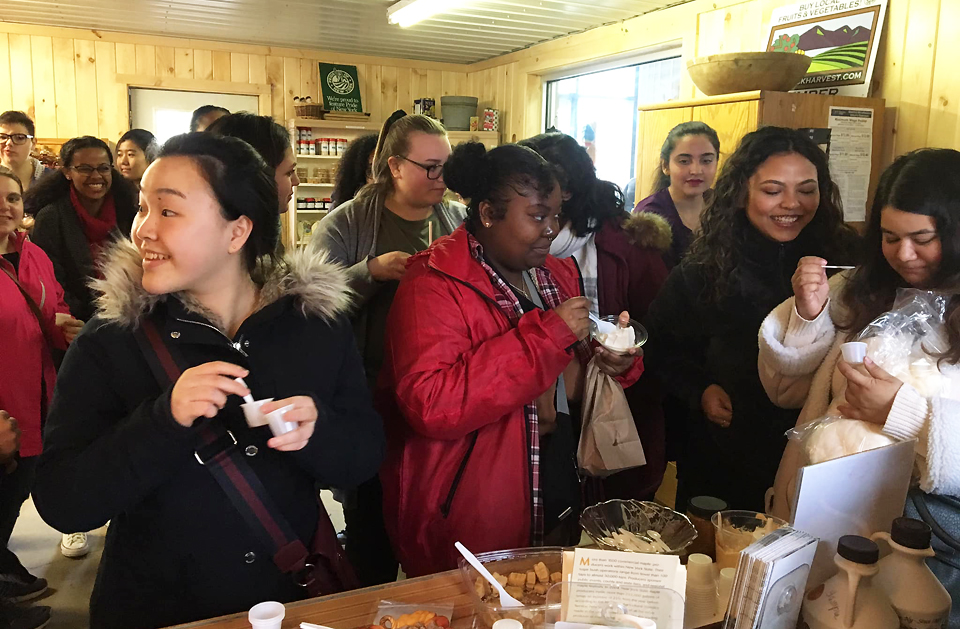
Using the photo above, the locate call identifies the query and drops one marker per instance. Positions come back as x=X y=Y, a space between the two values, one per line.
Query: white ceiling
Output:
x=477 y=30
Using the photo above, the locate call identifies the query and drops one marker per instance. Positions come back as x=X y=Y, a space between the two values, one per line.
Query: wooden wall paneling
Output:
x=389 y=91
x=112 y=110
x=166 y=61
x=88 y=96
x=418 y=85
x=202 y=64
x=221 y=65
x=373 y=96
x=518 y=109
x=239 y=67
x=488 y=89
x=258 y=69
x=653 y=127
x=943 y=129
x=309 y=84
x=888 y=73
x=313 y=71
x=146 y=60
x=21 y=74
x=404 y=97
x=534 y=106
x=732 y=121
x=291 y=84
x=126 y=58
x=65 y=87
x=183 y=63
x=504 y=102
x=6 y=88
x=434 y=88
x=277 y=90
x=914 y=115
x=44 y=101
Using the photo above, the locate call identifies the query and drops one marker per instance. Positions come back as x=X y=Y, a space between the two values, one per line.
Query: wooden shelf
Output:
x=312 y=211
x=315 y=185
x=304 y=155
x=334 y=124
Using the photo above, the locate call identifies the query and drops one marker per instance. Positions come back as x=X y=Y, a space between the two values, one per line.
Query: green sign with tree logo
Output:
x=340 y=88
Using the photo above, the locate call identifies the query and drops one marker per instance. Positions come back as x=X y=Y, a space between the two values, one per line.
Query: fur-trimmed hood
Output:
x=319 y=286
x=646 y=229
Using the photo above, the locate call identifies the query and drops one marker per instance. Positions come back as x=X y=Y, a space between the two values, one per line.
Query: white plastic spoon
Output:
x=505 y=599
x=603 y=327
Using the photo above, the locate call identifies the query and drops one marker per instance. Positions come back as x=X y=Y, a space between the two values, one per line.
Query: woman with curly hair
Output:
x=775 y=203
x=355 y=169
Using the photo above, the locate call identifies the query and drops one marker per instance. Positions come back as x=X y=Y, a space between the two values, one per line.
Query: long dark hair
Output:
x=54 y=187
x=243 y=185
x=661 y=180
x=719 y=246
x=353 y=168
x=924 y=182
x=480 y=175
x=144 y=140
x=590 y=197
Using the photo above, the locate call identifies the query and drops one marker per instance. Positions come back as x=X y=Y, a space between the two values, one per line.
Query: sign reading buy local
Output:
x=841 y=36
x=340 y=87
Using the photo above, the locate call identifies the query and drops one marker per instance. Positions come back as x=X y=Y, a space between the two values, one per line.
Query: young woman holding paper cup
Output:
x=911 y=241
x=485 y=363
x=199 y=283
x=774 y=204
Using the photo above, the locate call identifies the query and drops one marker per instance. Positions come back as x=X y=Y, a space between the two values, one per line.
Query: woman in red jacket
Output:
x=32 y=302
x=483 y=370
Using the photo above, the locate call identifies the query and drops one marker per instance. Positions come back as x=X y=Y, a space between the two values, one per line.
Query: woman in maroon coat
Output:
x=620 y=258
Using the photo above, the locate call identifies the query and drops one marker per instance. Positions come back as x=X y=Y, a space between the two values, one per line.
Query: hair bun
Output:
x=468 y=171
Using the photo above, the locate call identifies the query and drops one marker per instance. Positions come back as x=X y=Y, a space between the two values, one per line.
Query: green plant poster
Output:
x=340 y=87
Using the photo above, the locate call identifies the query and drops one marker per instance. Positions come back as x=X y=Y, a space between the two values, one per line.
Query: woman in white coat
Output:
x=912 y=241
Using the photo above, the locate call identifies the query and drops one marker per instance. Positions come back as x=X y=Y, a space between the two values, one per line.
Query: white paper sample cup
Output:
x=267 y=615
x=251 y=412
x=700 y=570
x=277 y=425
x=854 y=353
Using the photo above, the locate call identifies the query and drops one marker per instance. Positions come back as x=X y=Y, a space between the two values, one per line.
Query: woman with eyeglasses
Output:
x=17 y=141
x=79 y=207
x=374 y=234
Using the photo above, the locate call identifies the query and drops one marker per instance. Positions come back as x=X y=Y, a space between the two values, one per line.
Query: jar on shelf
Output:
x=325 y=144
x=312 y=148
x=301 y=204
x=311 y=204
x=341 y=146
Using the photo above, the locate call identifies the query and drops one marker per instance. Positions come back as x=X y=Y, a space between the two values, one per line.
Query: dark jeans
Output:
x=368 y=546
x=14 y=490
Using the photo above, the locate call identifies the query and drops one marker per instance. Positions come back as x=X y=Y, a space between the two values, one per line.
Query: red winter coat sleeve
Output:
x=457 y=363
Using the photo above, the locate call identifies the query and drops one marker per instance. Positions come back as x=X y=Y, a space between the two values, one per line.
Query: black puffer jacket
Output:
x=695 y=343
x=177 y=550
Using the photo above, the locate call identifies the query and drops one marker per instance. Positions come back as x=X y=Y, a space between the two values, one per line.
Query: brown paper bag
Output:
x=609 y=441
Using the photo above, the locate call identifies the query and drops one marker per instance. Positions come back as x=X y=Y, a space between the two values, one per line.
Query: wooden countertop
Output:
x=356 y=608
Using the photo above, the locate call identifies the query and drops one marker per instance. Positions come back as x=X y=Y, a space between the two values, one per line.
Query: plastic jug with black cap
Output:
x=916 y=594
x=849 y=599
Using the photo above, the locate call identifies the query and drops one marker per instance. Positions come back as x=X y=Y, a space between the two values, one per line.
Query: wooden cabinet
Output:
x=735 y=115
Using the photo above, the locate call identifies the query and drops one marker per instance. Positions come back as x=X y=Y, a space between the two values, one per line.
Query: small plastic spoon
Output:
x=505 y=599
x=659 y=541
x=247 y=398
x=603 y=327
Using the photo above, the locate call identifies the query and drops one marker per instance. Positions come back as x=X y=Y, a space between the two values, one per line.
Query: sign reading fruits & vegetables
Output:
x=340 y=87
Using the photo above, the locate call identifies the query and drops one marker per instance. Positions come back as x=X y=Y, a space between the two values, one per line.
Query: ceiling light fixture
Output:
x=409 y=12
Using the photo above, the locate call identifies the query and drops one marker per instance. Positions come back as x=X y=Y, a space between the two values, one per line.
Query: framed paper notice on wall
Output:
x=841 y=36
x=340 y=88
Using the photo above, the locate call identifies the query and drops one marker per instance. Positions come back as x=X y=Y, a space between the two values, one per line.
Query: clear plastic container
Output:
x=505 y=562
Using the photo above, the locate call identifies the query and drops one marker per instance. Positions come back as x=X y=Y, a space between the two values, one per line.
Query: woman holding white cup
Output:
x=911 y=242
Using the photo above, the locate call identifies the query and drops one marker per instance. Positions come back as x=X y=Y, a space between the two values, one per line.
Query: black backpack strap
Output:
x=217 y=451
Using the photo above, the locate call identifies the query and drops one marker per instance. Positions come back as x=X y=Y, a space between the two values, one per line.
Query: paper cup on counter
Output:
x=251 y=412
x=854 y=353
x=267 y=615
x=277 y=425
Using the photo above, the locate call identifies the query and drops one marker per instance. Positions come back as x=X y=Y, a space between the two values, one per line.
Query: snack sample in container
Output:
x=735 y=530
x=525 y=573
x=392 y=615
x=622 y=339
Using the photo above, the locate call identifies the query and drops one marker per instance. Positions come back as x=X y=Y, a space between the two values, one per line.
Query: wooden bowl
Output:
x=747 y=71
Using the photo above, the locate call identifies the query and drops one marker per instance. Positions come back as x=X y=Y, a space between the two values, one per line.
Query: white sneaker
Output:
x=74 y=545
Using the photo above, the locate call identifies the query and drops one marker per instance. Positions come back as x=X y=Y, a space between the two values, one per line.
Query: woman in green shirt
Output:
x=396 y=216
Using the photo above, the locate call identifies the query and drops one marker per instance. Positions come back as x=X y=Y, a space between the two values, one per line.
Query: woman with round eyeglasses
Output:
x=17 y=141
x=374 y=234
x=79 y=207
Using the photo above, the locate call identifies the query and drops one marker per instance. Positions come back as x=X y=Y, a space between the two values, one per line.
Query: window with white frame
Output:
x=599 y=109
